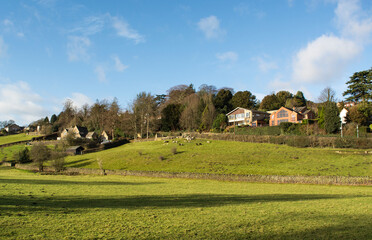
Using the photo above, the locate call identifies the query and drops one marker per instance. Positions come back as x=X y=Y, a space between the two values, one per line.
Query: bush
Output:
x=161 y=158
x=298 y=141
x=290 y=128
x=23 y=156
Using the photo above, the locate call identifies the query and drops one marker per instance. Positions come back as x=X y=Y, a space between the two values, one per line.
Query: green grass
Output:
x=34 y=206
x=227 y=157
x=15 y=138
x=8 y=152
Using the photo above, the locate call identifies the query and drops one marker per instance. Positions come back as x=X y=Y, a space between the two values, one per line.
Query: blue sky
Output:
x=51 y=50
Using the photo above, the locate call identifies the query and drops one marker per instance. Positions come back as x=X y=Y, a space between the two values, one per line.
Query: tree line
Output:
x=185 y=108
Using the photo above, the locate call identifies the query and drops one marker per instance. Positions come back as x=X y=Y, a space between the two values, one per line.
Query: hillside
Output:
x=15 y=138
x=226 y=157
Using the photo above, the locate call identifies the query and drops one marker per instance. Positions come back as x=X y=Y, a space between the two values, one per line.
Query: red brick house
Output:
x=295 y=115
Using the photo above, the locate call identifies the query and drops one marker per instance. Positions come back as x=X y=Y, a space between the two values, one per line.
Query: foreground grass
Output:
x=226 y=157
x=15 y=138
x=36 y=206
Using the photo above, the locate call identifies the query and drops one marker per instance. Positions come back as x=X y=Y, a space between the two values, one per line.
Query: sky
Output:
x=53 y=50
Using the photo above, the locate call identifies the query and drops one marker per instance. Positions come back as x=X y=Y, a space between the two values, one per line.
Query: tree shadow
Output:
x=64 y=182
x=159 y=201
x=79 y=163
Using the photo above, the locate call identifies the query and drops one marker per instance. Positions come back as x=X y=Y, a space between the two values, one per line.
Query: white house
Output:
x=343 y=114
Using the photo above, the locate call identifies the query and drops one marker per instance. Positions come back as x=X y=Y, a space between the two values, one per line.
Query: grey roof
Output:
x=74 y=148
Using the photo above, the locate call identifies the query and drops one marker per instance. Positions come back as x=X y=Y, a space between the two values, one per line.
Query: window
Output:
x=282 y=114
x=280 y=121
x=248 y=114
x=272 y=123
x=272 y=116
x=293 y=117
x=241 y=115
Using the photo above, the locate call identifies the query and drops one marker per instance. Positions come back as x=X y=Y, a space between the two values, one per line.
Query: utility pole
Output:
x=341 y=130
x=357 y=131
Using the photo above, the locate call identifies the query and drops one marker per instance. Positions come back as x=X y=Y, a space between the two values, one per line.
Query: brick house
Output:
x=241 y=116
x=295 y=115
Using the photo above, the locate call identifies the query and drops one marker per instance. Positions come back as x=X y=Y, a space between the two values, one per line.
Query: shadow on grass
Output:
x=63 y=182
x=79 y=163
x=159 y=201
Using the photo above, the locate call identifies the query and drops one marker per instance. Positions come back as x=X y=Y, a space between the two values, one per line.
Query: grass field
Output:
x=8 y=152
x=226 y=157
x=15 y=138
x=34 y=206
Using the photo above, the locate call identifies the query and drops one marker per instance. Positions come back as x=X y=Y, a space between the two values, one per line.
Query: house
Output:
x=79 y=132
x=105 y=137
x=12 y=128
x=75 y=150
x=92 y=135
x=241 y=116
x=295 y=115
x=343 y=115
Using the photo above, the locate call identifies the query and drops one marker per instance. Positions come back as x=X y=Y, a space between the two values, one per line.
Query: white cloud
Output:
x=124 y=30
x=20 y=103
x=91 y=25
x=352 y=21
x=118 y=65
x=210 y=26
x=20 y=34
x=79 y=100
x=7 y=23
x=323 y=59
x=101 y=74
x=77 y=48
x=265 y=64
x=227 y=56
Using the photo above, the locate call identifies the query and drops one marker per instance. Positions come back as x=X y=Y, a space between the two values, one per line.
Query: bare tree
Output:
x=327 y=95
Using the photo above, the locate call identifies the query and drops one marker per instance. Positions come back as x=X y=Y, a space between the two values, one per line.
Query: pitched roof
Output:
x=74 y=148
x=90 y=134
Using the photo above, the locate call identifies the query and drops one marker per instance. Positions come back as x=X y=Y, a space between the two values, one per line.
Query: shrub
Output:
x=299 y=141
x=23 y=156
x=161 y=158
x=58 y=162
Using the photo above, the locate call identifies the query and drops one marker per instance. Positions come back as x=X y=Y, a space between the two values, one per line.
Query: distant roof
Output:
x=90 y=134
x=82 y=129
x=74 y=148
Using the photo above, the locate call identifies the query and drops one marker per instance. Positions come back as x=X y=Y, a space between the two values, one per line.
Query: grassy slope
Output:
x=15 y=138
x=93 y=207
x=226 y=157
x=8 y=152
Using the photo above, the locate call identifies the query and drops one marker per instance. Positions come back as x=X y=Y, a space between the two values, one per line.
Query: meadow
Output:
x=15 y=138
x=228 y=157
x=34 y=206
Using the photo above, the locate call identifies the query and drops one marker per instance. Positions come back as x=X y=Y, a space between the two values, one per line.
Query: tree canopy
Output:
x=359 y=86
x=244 y=99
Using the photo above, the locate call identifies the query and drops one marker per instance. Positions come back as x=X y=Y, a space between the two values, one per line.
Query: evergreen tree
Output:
x=331 y=117
x=359 y=86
